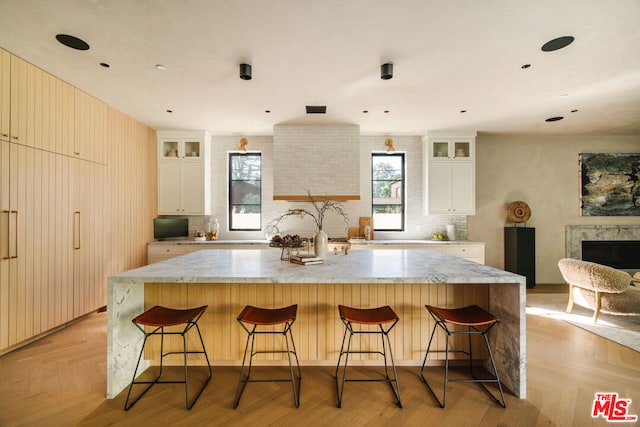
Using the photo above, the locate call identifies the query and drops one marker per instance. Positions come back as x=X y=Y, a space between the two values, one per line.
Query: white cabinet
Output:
x=184 y=173
x=472 y=251
x=450 y=175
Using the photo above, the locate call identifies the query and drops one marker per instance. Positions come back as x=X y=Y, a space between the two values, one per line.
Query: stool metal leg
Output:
x=128 y=406
x=296 y=393
x=340 y=390
x=472 y=330
x=500 y=401
x=446 y=370
x=243 y=380
x=186 y=383
x=396 y=390
x=384 y=333
x=160 y=331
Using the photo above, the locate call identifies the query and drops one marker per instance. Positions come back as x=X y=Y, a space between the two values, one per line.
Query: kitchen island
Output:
x=227 y=280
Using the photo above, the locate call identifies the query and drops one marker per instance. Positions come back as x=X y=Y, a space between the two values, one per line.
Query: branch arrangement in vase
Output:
x=320 y=208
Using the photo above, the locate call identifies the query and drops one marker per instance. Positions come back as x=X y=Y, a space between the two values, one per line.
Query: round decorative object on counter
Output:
x=518 y=212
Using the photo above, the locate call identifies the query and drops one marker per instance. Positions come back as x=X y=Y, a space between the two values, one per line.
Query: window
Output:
x=245 y=191
x=387 y=191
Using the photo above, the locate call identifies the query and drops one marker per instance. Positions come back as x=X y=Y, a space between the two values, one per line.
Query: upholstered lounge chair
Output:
x=601 y=288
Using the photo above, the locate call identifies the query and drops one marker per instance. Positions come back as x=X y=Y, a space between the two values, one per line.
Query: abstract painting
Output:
x=610 y=184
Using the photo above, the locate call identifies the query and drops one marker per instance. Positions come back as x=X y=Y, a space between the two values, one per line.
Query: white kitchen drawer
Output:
x=462 y=251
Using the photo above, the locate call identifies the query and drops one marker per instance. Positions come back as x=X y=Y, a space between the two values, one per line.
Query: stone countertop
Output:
x=210 y=242
x=413 y=242
x=362 y=266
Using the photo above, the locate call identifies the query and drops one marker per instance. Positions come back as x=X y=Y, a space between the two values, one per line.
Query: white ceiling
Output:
x=448 y=56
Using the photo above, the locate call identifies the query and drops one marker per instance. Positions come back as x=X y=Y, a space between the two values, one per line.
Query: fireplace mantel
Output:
x=575 y=234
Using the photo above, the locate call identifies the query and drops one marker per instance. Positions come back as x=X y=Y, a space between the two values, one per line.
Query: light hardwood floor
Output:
x=60 y=381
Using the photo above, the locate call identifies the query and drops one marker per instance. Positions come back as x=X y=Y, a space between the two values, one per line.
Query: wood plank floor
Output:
x=60 y=381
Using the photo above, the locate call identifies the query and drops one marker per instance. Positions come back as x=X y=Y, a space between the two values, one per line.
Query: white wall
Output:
x=543 y=172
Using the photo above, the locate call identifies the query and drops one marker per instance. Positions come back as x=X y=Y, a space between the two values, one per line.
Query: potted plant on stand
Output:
x=320 y=208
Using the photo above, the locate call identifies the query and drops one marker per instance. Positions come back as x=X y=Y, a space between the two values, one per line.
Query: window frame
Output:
x=403 y=204
x=230 y=193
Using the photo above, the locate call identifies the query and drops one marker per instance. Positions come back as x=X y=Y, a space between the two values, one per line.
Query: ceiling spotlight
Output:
x=386 y=71
x=554 y=119
x=161 y=67
x=72 y=42
x=557 y=43
x=245 y=71
x=104 y=65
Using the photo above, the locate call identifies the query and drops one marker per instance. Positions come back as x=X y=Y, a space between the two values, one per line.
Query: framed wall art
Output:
x=609 y=184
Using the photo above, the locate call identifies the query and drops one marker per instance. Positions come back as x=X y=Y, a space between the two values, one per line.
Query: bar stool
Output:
x=368 y=316
x=162 y=317
x=264 y=317
x=478 y=322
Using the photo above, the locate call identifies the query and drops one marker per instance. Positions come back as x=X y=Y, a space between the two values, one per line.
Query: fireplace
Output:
x=620 y=242
x=621 y=254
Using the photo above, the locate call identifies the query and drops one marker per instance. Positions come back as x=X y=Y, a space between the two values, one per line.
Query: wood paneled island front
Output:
x=405 y=279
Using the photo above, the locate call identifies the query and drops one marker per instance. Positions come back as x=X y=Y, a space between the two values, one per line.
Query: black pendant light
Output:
x=386 y=71
x=245 y=71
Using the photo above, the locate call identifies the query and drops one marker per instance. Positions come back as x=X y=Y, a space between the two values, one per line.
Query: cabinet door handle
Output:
x=15 y=235
x=76 y=230
x=6 y=256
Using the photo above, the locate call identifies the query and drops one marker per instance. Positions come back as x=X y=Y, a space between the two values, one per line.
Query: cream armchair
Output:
x=600 y=288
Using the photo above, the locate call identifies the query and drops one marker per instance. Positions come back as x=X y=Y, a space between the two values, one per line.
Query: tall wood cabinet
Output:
x=58 y=197
x=450 y=174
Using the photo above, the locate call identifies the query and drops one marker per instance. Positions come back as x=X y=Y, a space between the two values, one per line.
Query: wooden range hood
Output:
x=299 y=198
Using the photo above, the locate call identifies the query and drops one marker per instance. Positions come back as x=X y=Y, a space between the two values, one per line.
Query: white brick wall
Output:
x=320 y=159
x=417 y=225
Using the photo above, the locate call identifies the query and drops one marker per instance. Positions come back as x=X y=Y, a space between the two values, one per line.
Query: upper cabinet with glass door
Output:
x=181 y=148
x=449 y=149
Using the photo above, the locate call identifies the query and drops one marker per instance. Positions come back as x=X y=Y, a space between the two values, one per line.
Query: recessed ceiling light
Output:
x=554 y=119
x=574 y=111
x=365 y=111
x=72 y=42
x=525 y=66
x=564 y=95
x=463 y=111
x=105 y=65
x=386 y=111
x=557 y=43
x=267 y=111
x=161 y=67
x=169 y=111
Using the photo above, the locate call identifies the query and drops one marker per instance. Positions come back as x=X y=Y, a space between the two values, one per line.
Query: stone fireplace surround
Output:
x=575 y=234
